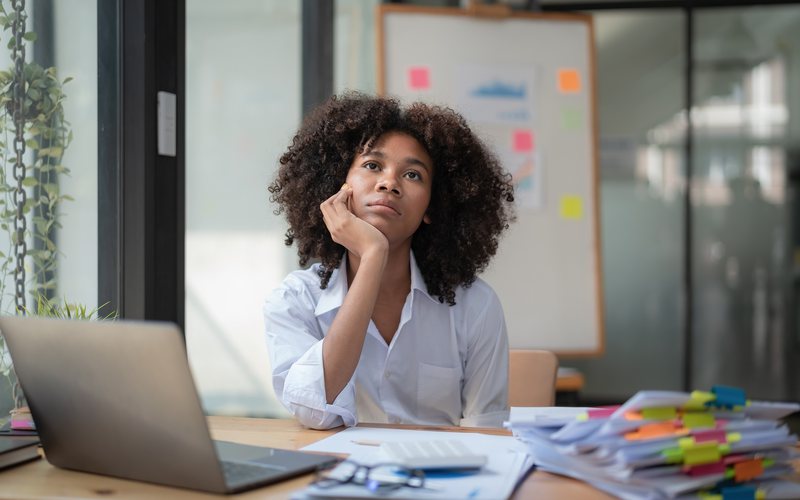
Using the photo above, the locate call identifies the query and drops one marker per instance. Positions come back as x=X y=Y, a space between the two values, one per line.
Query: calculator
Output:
x=431 y=455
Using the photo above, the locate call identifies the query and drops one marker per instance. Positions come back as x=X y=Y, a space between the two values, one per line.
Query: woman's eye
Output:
x=371 y=166
x=414 y=176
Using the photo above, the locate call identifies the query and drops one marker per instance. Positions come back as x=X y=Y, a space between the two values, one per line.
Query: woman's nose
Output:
x=388 y=184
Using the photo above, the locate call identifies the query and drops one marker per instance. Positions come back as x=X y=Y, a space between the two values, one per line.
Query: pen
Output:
x=366 y=442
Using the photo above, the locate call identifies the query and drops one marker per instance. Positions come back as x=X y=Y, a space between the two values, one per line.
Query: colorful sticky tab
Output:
x=522 y=141
x=714 y=435
x=656 y=430
x=695 y=420
x=702 y=453
x=571 y=207
x=419 y=78
x=706 y=469
x=666 y=413
x=739 y=493
x=673 y=455
x=748 y=469
x=600 y=412
x=569 y=80
x=699 y=400
x=733 y=437
x=728 y=397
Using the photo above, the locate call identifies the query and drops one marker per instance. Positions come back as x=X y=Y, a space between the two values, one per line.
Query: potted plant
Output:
x=34 y=135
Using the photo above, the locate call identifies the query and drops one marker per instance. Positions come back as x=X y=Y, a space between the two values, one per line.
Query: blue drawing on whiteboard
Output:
x=500 y=89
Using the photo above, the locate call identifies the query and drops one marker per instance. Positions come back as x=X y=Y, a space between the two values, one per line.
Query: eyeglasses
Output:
x=376 y=478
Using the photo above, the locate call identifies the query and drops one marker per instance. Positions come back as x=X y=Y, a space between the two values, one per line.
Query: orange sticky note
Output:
x=523 y=141
x=748 y=469
x=419 y=78
x=650 y=431
x=569 y=81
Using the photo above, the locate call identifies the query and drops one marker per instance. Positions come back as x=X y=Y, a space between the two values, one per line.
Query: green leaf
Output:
x=30 y=181
x=30 y=36
x=67 y=80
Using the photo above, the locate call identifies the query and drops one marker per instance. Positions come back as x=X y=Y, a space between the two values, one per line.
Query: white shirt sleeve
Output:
x=484 y=394
x=294 y=342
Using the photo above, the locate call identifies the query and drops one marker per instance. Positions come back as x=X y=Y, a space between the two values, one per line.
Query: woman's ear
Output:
x=426 y=219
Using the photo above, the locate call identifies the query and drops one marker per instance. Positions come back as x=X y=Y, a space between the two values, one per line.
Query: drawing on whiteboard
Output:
x=526 y=172
x=496 y=94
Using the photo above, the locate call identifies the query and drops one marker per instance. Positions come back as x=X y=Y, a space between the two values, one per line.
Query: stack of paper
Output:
x=714 y=445
x=507 y=464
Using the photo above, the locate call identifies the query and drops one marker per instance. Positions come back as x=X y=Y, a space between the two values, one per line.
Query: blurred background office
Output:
x=698 y=108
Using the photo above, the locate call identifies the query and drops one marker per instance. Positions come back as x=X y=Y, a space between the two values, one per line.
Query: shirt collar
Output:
x=333 y=296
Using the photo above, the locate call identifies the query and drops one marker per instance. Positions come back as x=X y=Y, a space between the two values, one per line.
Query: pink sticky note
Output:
x=523 y=141
x=419 y=78
x=713 y=435
x=600 y=412
x=707 y=469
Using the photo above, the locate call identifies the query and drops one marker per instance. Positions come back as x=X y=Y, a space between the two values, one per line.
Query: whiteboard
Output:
x=525 y=83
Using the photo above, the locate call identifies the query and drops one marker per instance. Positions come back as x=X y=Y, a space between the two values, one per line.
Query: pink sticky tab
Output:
x=419 y=78
x=707 y=469
x=704 y=436
x=600 y=412
x=523 y=141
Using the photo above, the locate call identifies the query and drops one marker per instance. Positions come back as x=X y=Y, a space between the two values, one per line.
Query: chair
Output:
x=531 y=377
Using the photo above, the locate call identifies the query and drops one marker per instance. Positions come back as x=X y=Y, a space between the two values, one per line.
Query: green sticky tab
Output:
x=701 y=453
x=724 y=448
x=665 y=413
x=673 y=455
x=710 y=496
x=768 y=462
x=698 y=400
x=729 y=473
x=761 y=494
x=686 y=442
x=695 y=420
x=733 y=437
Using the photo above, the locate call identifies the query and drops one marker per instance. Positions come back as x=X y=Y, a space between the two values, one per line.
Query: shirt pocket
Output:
x=438 y=395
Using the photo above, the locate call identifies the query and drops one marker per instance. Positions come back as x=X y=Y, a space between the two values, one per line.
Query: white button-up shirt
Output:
x=445 y=365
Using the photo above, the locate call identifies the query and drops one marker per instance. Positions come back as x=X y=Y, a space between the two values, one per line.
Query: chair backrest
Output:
x=531 y=377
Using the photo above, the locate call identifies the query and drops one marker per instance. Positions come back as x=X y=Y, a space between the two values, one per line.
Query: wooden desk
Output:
x=39 y=479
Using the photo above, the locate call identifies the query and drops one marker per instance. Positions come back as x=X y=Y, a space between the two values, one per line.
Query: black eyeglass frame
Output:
x=414 y=478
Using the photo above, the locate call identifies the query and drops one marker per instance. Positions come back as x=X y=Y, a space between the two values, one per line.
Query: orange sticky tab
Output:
x=747 y=470
x=633 y=415
x=650 y=431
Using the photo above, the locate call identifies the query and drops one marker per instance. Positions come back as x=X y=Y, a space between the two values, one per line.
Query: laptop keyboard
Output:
x=239 y=473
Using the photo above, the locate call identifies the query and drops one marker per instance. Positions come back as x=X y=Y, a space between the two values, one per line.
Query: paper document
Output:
x=507 y=463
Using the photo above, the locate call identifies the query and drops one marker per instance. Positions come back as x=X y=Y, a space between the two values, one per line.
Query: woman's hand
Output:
x=356 y=235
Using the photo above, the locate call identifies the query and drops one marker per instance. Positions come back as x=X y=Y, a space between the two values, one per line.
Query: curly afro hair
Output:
x=471 y=200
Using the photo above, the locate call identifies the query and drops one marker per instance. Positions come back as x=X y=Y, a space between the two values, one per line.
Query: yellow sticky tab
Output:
x=710 y=496
x=695 y=420
x=761 y=494
x=571 y=207
x=673 y=455
x=702 y=453
x=582 y=417
x=666 y=413
x=698 y=400
x=686 y=442
x=733 y=437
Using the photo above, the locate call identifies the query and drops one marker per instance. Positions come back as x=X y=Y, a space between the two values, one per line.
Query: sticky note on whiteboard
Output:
x=523 y=141
x=571 y=207
x=419 y=78
x=569 y=80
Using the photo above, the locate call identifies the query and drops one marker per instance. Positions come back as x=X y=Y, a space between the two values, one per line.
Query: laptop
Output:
x=117 y=398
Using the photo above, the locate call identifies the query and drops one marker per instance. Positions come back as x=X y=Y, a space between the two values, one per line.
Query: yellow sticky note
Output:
x=703 y=453
x=571 y=207
x=665 y=413
x=694 y=420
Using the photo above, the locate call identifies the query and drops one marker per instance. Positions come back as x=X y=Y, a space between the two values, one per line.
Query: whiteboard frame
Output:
x=384 y=10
